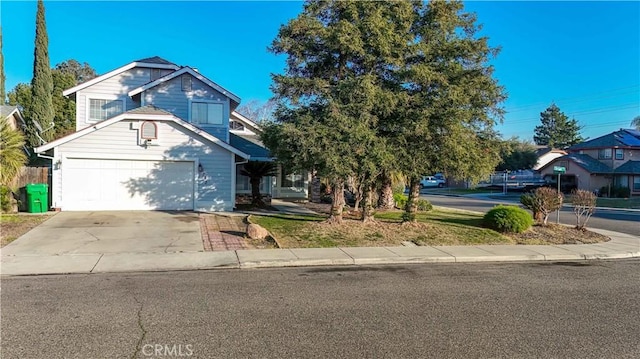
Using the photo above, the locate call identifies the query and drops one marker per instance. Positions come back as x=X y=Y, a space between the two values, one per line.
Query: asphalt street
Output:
x=612 y=220
x=515 y=310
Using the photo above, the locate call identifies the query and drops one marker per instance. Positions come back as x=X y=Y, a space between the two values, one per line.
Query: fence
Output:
x=31 y=175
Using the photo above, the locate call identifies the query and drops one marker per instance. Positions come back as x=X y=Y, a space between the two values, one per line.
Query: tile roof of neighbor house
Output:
x=587 y=162
x=155 y=60
x=249 y=147
x=7 y=110
x=620 y=138
x=630 y=168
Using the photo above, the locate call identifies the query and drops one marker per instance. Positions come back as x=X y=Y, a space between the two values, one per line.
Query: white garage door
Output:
x=92 y=184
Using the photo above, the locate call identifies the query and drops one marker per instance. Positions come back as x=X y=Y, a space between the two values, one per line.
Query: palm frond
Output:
x=12 y=156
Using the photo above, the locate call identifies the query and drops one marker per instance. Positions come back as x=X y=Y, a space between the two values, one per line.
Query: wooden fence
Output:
x=31 y=175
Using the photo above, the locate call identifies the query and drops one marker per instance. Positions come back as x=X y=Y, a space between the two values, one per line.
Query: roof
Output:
x=177 y=73
x=587 y=162
x=629 y=167
x=253 y=126
x=6 y=111
x=620 y=138
x=542 y=150
x=251 y=147
x=154 y=62
x=142 y=113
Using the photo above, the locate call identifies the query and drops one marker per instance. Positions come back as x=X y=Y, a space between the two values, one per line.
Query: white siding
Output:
x=170 y=97
x=117 y=86
x=214 y=187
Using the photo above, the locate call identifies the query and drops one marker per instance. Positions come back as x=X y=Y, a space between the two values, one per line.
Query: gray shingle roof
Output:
x=587 y=162
x=155 y=60
x=251 y=148
x=630 y=168
x=148 y=110
x=6 y=110
x=620 y=138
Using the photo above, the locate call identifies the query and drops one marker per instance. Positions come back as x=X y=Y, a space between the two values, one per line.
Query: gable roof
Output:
x=620 y=138
x=585 y=161
x=253 y=148
x=142 y=113
x=6 y=111
x=629 y=167
x=152 y=62
x=184 y=70
x=253 y=126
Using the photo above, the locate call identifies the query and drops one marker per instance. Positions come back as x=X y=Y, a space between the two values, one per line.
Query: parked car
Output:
x=432 y=181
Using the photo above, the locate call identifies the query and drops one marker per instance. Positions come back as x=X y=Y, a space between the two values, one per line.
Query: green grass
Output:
x=633 y=203
x=437 y=227
x=466 y=190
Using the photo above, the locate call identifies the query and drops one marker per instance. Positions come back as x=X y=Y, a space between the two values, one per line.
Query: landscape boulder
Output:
x=256 y=231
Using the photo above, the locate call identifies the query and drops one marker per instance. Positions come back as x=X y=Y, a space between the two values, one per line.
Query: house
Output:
x=14 y=118
x=150 y=135
x=545 y=155
x=609 y=160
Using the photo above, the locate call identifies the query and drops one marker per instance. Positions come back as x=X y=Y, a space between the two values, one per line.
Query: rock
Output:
x=255 y=231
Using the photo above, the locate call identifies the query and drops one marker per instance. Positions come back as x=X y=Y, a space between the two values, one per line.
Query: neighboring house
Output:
x=150 y=135
x=609 y=160
x=14 y=117
x=546 y=155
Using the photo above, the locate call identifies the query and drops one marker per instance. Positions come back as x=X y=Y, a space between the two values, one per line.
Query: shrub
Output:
x=616 y=192
x=584 y=204
x=424 y=205
x=510 y=219
x=5 y=199
x=400 y=200
x=542 y=202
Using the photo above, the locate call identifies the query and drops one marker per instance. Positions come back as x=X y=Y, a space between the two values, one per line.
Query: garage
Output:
x=116 y=184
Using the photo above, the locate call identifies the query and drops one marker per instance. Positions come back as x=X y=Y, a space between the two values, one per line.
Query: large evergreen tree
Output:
x=41 y=108
x=636 y=123
x=556 y=130
x=446 y=123
x=334 y=91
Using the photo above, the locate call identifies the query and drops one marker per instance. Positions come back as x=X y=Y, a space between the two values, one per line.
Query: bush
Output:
x=542 y=202
x=584 y=204
x=5 y=199
x=616 y=192
x=400 y=200
x=510 y=219
x=424 y=205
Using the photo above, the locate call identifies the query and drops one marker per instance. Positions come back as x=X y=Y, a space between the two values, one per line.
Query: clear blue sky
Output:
x=585 y=56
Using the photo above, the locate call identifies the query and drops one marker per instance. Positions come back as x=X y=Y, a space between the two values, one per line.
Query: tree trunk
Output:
x=412 y=203
x=315 y=188
x=337 y=201
x=256 y=197
x=368 y=209
x=385 y=200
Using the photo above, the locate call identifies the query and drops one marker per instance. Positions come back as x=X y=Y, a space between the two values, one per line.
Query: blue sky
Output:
x=584 y=56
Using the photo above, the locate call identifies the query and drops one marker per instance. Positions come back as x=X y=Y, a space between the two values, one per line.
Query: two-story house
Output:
x=151 y=135
x=609 y=160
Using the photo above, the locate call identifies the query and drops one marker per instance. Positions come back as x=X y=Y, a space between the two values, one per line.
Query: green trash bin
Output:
x=37 y=197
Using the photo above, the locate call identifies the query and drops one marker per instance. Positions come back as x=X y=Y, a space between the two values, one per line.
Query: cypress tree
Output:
x=42 y=109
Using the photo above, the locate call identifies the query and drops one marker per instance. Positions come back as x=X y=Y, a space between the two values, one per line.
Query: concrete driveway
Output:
x=111 y=232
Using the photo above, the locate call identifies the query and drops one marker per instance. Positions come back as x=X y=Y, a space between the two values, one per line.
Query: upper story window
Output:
x=619 y=154
x=186 y=82
x=207 y=113
x=237 y=126
x=102 y=109
x=605 y=154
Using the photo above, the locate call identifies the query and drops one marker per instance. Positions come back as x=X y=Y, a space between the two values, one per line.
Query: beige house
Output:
x=609 y=160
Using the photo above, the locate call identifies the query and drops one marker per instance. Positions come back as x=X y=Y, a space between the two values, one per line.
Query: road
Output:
x=525 y=310
x=613 y=220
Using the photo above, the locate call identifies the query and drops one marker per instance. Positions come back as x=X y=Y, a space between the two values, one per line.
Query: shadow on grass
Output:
x=471 y=222
x=297 y=218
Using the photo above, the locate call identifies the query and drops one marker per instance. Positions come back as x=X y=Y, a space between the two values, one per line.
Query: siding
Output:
x=170 y=97
x=118 y=86
x=120 y=141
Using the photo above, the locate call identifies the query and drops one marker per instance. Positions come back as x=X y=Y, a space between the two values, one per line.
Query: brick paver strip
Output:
x=214 y=239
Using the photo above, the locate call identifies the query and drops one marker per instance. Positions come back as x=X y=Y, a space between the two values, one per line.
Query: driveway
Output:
x=111 y=232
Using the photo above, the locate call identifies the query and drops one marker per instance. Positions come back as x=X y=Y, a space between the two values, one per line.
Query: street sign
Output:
x=559 y=169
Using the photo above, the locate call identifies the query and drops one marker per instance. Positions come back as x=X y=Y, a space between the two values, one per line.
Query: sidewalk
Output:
x=620 y=246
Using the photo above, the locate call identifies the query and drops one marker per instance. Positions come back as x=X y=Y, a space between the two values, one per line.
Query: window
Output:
x=237 y=126
x=206 y=113
x=148 y=130
x=292 y=180
x=619 y=154
x=101 y=109
x=186 y=83
x=243 y=184
x=604 y=154
x=636 y=183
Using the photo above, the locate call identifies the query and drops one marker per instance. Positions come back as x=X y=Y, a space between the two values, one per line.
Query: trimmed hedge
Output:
x=508 y=219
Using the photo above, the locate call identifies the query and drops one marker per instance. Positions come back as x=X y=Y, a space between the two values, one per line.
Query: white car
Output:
x=432 y=181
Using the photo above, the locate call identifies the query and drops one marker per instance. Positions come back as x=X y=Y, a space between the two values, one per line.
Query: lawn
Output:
x=633 y=203
x=15 y=225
